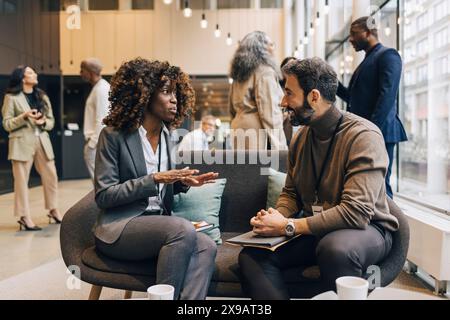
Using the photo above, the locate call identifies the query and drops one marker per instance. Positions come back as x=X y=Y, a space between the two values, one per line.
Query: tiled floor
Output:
x=24 y=255
x=22 y=251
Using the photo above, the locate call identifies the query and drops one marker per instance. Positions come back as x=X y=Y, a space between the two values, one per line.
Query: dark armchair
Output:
x=239 y=204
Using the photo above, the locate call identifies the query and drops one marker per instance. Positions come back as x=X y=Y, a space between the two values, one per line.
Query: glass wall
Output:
x=420 y=30
x=339 y=52
x=424 y=104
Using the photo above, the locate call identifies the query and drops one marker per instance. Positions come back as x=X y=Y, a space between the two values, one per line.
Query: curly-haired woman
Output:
x=135 y=179
x=255 y=95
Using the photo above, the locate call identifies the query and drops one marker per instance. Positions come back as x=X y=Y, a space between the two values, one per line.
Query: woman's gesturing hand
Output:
x=172 y=176
x=198 y=181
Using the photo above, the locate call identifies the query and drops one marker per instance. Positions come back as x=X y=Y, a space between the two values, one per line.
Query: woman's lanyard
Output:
x=324 y=165
x=159 y=159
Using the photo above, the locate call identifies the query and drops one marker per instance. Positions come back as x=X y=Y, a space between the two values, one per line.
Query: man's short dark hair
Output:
x=367 y=24
x=313 y=74
x=286 y=60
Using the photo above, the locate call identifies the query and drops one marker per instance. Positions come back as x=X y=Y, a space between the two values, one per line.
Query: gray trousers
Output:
x=340 y=253
x=89 y=159
x=185 y=258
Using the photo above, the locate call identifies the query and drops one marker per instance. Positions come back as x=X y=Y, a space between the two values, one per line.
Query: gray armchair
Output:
x=239 y=203
x=394 y=262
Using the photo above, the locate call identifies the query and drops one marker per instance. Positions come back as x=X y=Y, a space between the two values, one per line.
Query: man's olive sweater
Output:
x=352 y=190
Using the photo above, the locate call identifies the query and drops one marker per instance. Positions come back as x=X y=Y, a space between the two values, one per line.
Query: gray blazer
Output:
x=122 y=185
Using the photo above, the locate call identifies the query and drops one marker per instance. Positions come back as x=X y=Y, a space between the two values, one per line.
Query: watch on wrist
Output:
x=290 y=228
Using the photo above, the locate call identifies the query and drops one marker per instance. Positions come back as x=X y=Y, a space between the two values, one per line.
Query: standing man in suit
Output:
x=372 y=92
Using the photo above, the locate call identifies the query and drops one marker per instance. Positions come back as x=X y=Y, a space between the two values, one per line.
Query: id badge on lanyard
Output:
x=158 y=186
x=316 y=207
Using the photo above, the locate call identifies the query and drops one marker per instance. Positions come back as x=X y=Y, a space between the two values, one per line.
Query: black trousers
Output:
x=340 y=253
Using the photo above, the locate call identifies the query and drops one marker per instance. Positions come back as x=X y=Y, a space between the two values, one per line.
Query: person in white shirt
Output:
x=198 y=140
x=96 y=109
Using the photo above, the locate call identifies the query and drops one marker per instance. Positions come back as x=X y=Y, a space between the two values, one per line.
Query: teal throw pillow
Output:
x=276 y=184
x=202 y=204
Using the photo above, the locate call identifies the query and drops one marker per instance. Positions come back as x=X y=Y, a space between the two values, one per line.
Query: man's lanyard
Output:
x=319 y=180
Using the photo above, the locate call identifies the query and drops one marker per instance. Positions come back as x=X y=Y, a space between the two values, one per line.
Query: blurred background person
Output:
x=255 y=95
x=27 y=116
x=96 y=109
x=372 y=92
x=287 y=126
x=199 y=139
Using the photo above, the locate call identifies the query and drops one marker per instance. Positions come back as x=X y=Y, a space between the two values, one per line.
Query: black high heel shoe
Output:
x=52 y=217
x=23 y=225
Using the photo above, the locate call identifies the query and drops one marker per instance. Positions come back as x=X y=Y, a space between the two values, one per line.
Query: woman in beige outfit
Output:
x=27 y=116
x=255 y=96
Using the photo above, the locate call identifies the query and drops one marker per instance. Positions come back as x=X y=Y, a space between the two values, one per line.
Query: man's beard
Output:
x=301 y=116
x=362 y=45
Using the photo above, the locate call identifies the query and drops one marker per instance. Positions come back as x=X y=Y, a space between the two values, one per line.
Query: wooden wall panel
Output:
x=165 y=34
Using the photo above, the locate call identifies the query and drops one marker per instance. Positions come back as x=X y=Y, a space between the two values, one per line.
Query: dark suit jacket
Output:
x=122 y=185
x=372 y=92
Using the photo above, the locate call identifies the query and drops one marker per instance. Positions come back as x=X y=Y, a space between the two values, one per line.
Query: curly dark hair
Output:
x=133 y=86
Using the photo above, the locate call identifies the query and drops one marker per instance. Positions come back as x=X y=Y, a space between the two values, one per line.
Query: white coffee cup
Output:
x=352 y=288
x=161 y=292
